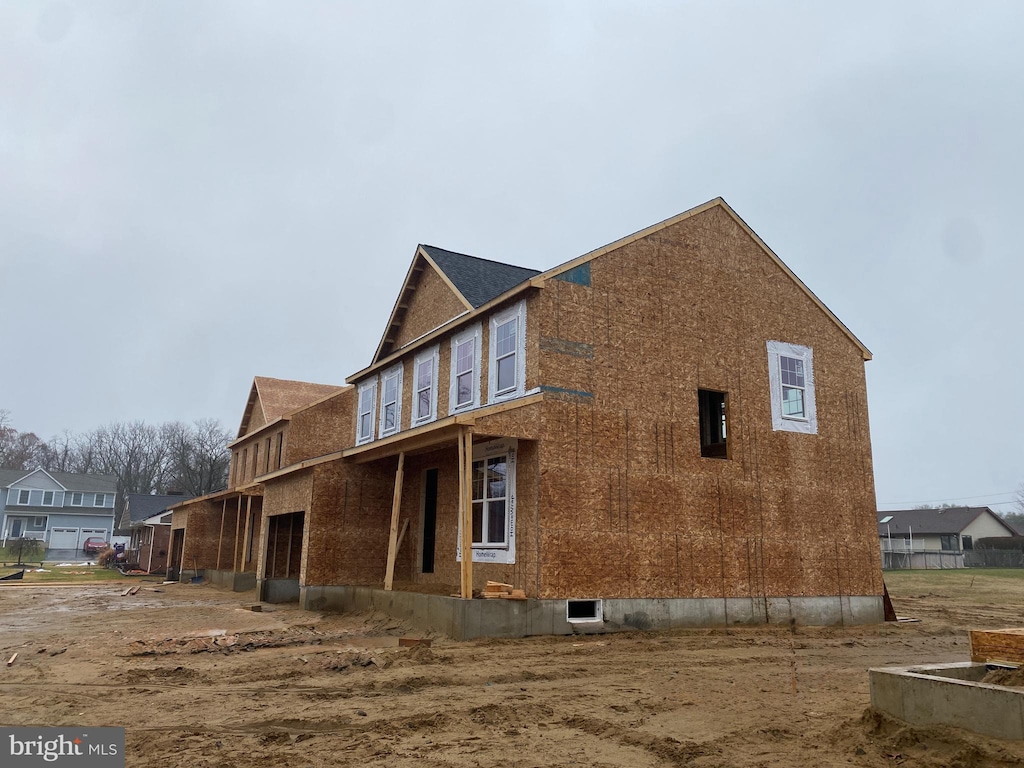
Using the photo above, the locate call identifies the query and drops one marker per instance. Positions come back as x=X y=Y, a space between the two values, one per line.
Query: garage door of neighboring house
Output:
x=87 y=532
x=64 y=538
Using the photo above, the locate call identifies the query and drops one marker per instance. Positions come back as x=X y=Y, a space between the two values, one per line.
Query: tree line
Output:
x=145 y=458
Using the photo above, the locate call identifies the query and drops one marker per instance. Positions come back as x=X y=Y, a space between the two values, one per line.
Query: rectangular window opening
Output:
x=713 y=428
x=967 y=542
x=580 y=611
x=101 y=500
x=23 y=496
x=390 y=402
x=367 y=403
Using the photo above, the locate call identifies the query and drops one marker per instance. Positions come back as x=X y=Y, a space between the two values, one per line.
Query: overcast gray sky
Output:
x=195 y=193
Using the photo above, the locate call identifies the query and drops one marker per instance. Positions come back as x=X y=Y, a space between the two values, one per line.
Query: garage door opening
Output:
x=284 y=558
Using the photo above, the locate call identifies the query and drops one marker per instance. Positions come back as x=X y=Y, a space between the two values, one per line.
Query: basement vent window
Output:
x=713 y=431
x=581 y=611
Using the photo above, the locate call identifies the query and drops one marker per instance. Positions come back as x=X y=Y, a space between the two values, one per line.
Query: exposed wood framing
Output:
x=466 y=509
x=220 y=540
x=245 y=539
x=396 y=508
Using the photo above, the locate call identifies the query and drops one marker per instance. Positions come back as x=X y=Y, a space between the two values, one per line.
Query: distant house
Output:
x=143 y=520
x=936 y=538
x=59 y=508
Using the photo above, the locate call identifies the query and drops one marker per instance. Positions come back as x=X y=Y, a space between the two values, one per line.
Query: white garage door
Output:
x=64 y=538
x=88 y=532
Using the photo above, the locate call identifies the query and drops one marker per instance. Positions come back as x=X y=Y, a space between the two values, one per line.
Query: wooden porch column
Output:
x=465 y=447
x=245 y=539
x=220 y=541
x=238 y=521
x=396 y=504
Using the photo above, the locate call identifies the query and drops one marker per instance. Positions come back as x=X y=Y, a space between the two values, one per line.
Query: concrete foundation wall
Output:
x=278 y=590
x=948 y=694
x=467 y=619
x=236 y=582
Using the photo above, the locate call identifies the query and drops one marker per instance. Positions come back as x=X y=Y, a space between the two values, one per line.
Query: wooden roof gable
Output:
x=473 y=282
x=717 y=202
x=271 y=399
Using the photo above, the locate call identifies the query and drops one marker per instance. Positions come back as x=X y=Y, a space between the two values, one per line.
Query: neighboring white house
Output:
x=936 y=538
x=59 y=508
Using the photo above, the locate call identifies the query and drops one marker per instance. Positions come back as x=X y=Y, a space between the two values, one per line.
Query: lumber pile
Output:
x=496 y=589
x=1005 y=646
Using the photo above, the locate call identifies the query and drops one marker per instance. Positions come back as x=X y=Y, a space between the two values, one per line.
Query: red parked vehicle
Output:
x=94 y=545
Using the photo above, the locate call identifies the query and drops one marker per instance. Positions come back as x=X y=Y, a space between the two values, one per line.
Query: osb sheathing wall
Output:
x=323 y=428
x=628 y=507
x=432 y=304
x=201 y=521
x=349 y=522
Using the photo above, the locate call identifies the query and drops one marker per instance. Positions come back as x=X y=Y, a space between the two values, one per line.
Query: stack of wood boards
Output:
x=496 y=589
x=1004 y=646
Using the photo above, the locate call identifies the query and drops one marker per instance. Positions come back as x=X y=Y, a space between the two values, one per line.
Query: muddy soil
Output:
x=199 y=680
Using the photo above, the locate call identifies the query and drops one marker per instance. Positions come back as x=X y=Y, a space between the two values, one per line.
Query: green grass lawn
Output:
x=84 y=574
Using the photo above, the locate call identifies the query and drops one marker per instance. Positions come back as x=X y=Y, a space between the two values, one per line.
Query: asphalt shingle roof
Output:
x=70 y=480
x=141 y=506
x=922 y=521
x=479 y=280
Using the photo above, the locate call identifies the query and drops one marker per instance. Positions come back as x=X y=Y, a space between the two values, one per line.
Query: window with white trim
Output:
x=391 y=401
x=791 y=380
x=76 y=498
x=465 y=378
x=47 y=498
x=101 y=500
x=507 y=352
x=23 y=496
x=494 y=503
x=366 y=411
x=424 y=393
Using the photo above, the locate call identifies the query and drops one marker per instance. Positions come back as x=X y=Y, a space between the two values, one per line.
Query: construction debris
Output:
x=497 y=589
x=10 y=661
x=410 y=642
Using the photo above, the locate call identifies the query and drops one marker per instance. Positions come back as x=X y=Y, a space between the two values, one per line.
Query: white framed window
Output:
x=101 y=500
x=494 y=502
x=23 y=496
x=791 y=380
x=76 y=499
x=391 y=400
x=38 y=522
x=506 y=370
x=366 y=411
x=424 y=392
x=464 y=391
x=47 y=498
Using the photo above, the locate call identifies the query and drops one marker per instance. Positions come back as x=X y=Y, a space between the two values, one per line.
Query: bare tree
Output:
x=20 y=450
x=198 y=456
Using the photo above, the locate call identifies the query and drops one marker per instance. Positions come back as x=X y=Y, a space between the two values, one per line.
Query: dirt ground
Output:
x=199 y=680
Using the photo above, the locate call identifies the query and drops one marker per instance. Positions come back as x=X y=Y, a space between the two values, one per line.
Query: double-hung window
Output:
x=493 y=518
x=47 y=498
x=101 y=500
x=76 y=499
x=391 y=401
x=424 y=396
x=506 y=369
x=791 y=380
x=465 y=377
x=23 y=496
x=490 y=502
x=366 y=411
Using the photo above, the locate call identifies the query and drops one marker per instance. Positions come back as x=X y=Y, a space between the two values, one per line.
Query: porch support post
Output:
x=238 y=522
x=220 y=540
x=466 y=509
x=245 y=540
x=396 y=505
